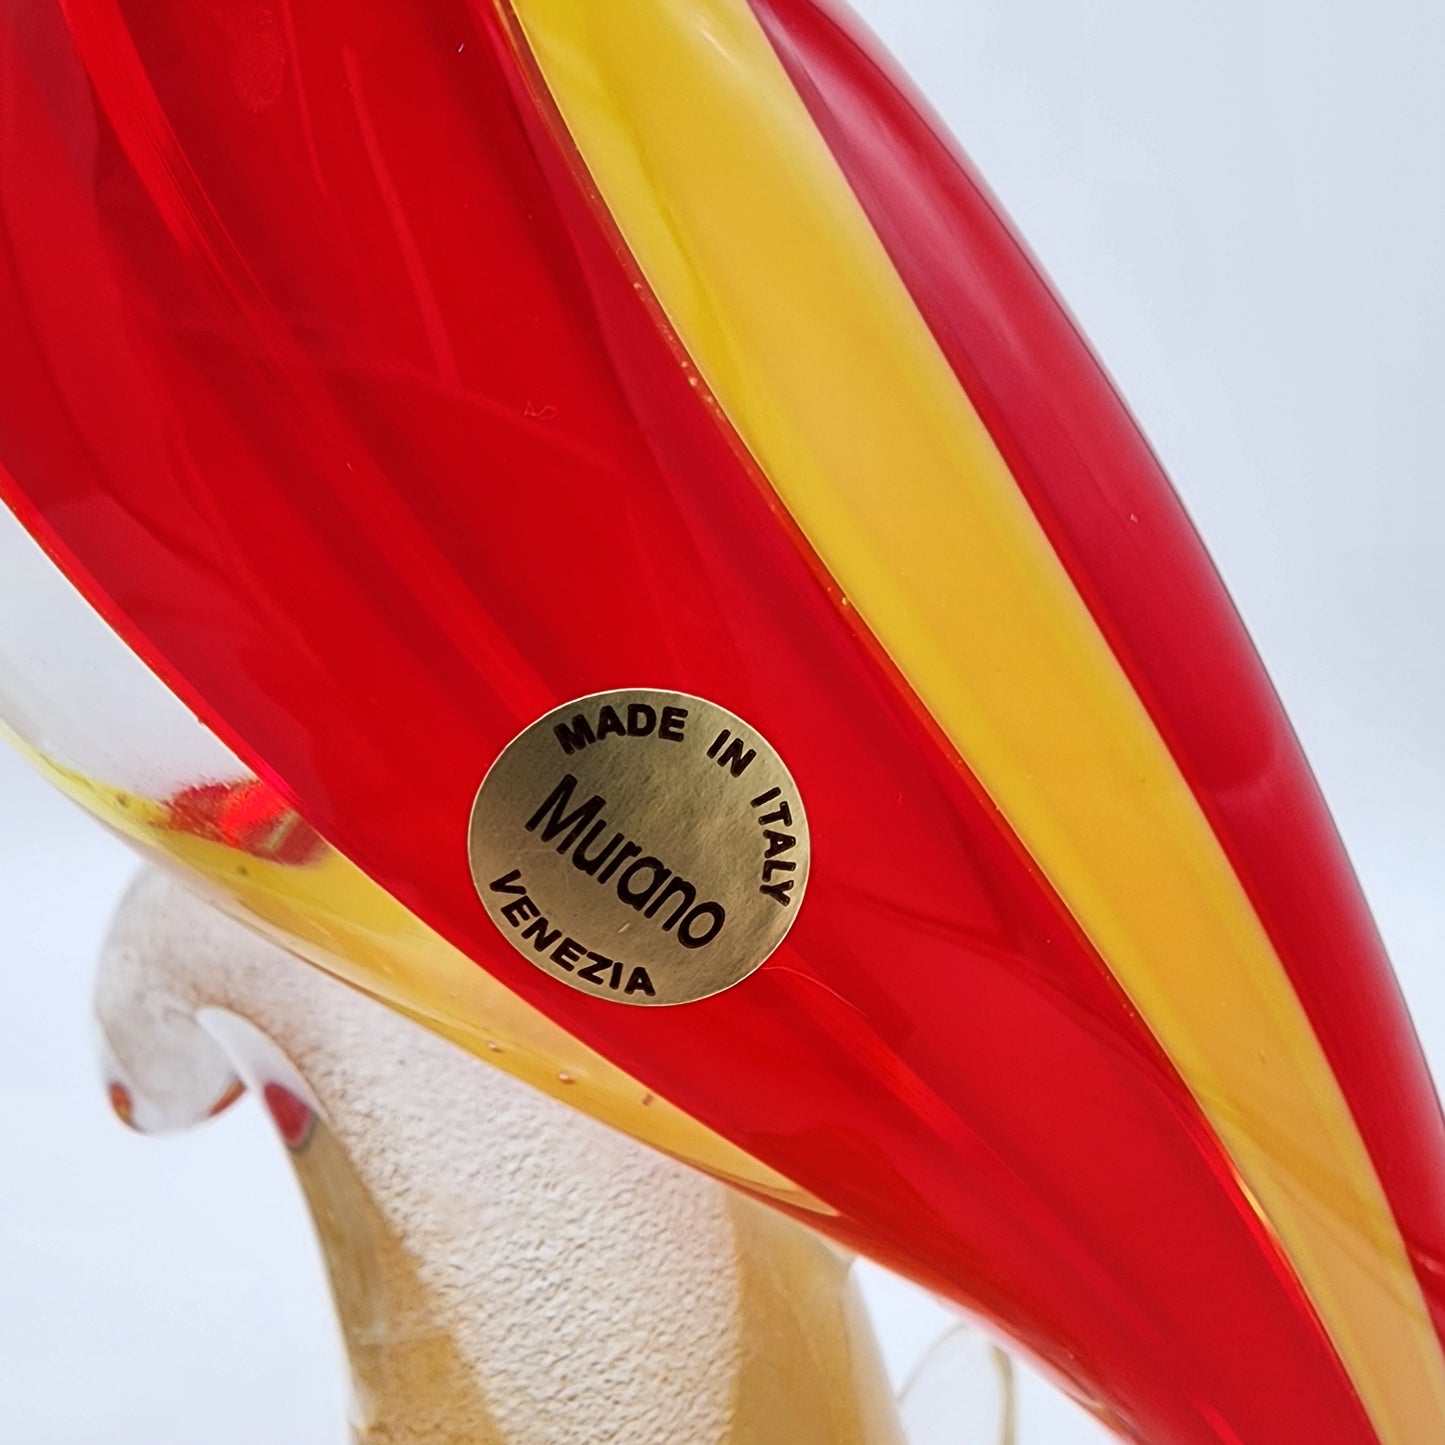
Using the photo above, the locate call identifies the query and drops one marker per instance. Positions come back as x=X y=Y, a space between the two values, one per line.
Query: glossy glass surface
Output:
x=356 y=378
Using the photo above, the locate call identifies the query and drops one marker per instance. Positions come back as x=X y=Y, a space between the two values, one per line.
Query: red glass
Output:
x=324 y=382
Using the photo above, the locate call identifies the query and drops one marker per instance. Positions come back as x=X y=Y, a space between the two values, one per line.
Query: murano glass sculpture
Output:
x=506 y=1270
x=637 y=570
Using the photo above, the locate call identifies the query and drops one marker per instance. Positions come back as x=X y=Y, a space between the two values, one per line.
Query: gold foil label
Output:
x=646 y=847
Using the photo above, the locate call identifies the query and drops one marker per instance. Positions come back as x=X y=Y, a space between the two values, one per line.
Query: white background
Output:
x=1244 y=204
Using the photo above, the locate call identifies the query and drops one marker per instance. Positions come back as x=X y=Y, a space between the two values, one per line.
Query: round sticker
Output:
x=645 y=847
